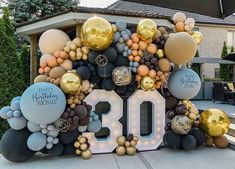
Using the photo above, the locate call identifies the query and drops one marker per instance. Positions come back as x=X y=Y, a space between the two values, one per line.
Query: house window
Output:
x=231 y=38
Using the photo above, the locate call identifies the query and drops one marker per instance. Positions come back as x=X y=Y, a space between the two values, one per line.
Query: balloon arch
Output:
x=108 y=62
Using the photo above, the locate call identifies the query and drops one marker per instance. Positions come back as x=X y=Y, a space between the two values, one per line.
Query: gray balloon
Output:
x=33 y=127
x=94 y=126
x=184 y=83
x=37 y=141
x=43 y=103
x=82 y=128
x=17 y=123
x=3 y=112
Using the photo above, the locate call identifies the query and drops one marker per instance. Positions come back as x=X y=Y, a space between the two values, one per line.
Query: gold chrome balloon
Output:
x=120 y=150
x=197 y=36
x=214 y=122
x=86 y=154
x=97 y=33
x=147 y=83
x=71 y=83
x=146 y=29
x=160 y=53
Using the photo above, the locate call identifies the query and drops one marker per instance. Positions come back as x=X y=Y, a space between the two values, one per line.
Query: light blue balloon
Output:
x=120 y=47
x=91 y=113
x=126 y=48
x=121 y=40
x=90 y=119
x=16 y=98
x=15 y=105
x=128 y=32
x=17 y=113
x=125 y=54
x=55 y=140
x=17 y=123
x=134 y=69
x=94 y=126
x=121 y=25
x=123 y=33
x=50 y=139
x=129 y=51
x=184 y=83
x=49 y=145
x=3 y=112
x=43 y=103
x=131 y=63
x=10 y=114
x=33 y=127
x=95 y=117
x=37 y=141
x=53 y=133
x=82 y=128
x=136 y=64
x=125 y=37
x=116 y=37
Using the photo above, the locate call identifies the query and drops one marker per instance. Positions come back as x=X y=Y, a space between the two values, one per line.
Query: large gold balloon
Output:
x=197 y=36
x=147 y=83
x=146 y=29
x=97 y=33
x=71 y=83
x=214 y=122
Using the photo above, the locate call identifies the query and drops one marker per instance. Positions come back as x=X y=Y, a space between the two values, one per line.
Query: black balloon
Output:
x=121 y=89
x=106 y=70
x=172 y=140
x=57 y=150
x=68 y=137
x=121 y=61
x=92 y=56
x=84 y=72
x=69 y=149
x=111 y=54
x=14 y=145
x=108 y=84
x=199 y=136
x=171 y=103
x=181 y=109
x=188 y=142
x=170 y=114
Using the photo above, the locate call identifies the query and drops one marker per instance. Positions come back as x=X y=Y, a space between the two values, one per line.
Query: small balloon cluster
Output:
x=126 y=145
x=82 y=147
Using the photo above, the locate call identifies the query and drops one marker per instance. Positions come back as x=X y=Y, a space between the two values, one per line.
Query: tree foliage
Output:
x=225 y=70
x=28 y=10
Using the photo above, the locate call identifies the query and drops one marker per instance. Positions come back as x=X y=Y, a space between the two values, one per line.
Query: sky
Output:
x=96 y=3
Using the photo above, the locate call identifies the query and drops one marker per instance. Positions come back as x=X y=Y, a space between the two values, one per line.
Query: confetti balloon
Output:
x=147 y=83
x=71 y=83
x=214 y=122
x=197 y=36
x=121 y=76
x=97 y=33
x=146 y=29
x=181 y=124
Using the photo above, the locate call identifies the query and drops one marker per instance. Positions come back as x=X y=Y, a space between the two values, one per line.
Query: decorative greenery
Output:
x=28 y=10
x=196 y=66
x=11 y=82
x=225 y=70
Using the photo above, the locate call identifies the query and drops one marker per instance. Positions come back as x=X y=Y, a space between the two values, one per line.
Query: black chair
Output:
x=220 y=92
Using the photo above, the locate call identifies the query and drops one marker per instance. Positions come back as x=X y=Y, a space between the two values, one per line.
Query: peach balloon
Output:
x=52 y=40
x=164 y=64
x=129 y=42
x=143 y=70
x=137 y=58
x=180 y=48
x=151 y=48
x=52 y=62
x=130 y=57
x=57 y=53
x=135 y=46
x=63 y=55
x=134 y=52
x=179 y=27
x=135 y=37
x=47 y=69
x=137 y=77
x=152 y=73
x=142 y=45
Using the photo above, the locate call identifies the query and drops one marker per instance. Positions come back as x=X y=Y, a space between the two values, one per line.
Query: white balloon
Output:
x=37 y=141
x=184 y=83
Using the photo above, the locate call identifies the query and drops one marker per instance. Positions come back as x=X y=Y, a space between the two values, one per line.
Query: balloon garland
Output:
x=51 y=115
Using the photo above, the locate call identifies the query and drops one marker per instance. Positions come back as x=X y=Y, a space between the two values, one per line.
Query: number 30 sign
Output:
x=110 y=120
